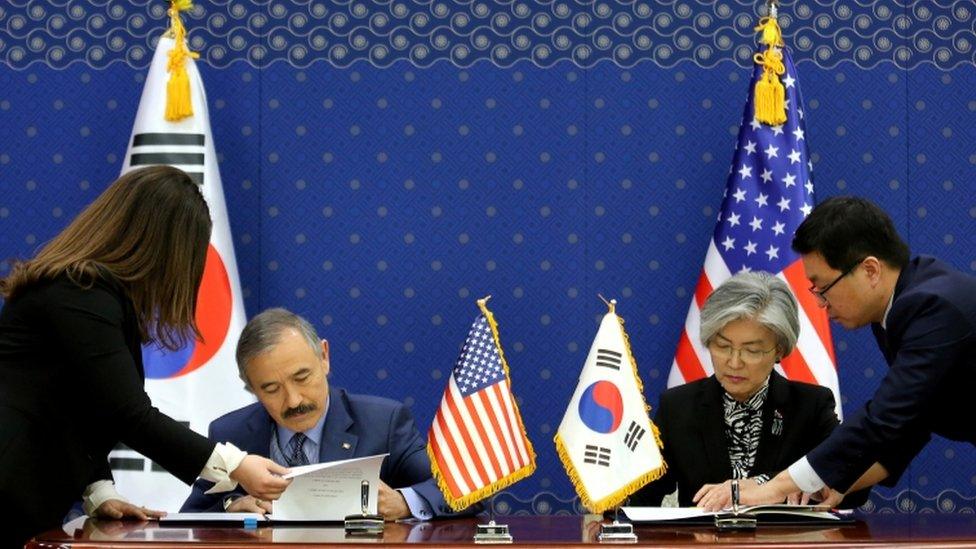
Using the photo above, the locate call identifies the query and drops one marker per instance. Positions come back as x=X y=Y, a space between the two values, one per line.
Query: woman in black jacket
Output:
x=124 y=273
x=746 y=421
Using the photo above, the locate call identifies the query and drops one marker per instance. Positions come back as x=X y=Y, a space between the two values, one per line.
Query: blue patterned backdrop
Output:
x=387 y=162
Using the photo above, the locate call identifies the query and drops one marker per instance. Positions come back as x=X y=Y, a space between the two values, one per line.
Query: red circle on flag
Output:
x=215 y=301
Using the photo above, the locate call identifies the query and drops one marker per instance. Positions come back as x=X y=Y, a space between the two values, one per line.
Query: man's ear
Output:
x=325 y=355
x=872 y=268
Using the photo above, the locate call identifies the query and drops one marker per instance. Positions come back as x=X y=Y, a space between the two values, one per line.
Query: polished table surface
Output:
x=878 y=530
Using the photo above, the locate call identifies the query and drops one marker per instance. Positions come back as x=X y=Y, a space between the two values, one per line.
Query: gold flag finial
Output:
x=611 y=305
x=770 y=96
x=178 y=103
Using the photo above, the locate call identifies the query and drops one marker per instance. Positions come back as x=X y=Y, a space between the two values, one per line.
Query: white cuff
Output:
x=805 y=477
x=224 y=459
x=97 y=493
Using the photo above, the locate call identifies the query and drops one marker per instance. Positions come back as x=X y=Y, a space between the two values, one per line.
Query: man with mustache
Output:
x=299 y=420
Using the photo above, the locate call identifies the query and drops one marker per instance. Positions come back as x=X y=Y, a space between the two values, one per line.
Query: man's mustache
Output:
x=302 y=408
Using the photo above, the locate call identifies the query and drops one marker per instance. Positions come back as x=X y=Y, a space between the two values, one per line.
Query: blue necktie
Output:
x=296 y=455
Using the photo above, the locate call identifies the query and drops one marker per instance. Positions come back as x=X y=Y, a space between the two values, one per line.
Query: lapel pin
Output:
x=346 y=446
x=777 y=423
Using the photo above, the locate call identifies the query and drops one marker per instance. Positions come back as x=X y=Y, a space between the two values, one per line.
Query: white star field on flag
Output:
x=478 y=364
x=769 y=193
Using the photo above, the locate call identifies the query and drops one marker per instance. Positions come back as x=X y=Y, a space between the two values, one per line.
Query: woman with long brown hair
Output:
x=124 y=273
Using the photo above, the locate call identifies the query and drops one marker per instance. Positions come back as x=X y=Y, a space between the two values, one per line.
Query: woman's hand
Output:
x=715 y=497
x=261 y=477
x=116 y=509
x=775 y=491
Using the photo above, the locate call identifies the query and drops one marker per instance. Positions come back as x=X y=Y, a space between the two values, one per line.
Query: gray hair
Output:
x=758 y=296
x=264 y=331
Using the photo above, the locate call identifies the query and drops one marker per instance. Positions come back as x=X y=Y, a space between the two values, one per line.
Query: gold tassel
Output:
x=770 y=96
x=178 y=102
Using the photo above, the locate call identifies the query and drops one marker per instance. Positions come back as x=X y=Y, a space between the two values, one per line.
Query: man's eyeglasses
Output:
x=821 y=293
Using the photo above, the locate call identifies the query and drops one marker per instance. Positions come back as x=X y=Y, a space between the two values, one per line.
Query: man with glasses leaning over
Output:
x=923 y=314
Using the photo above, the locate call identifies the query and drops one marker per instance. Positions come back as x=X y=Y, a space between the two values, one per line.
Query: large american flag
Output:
x=477 y=443
x=768 y=193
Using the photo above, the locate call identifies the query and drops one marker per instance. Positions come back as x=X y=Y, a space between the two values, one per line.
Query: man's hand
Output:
x=249 y=504
x=392 y=504
x=798 y=498
x=117 y=509
x=829 y=497
x=715 y=497
x=261 y=477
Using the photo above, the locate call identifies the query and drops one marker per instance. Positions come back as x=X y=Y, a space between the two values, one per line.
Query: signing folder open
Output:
x=775 y=514
x=322 y=492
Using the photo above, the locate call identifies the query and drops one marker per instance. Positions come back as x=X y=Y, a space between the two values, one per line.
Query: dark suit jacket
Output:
x=930 y=347
x=692 y=425
x=71 y=388
x=366 y=425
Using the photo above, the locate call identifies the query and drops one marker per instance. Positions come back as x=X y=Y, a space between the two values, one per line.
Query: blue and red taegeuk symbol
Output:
x=601 y=407
x=214 y=305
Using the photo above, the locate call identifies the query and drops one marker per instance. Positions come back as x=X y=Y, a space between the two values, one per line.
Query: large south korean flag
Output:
x=198 y=382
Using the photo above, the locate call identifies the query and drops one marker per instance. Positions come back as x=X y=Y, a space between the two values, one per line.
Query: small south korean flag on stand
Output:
x=606 y=441
x=198 y=382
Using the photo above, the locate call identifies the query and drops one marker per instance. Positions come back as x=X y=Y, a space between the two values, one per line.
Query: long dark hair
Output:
x=150 y=230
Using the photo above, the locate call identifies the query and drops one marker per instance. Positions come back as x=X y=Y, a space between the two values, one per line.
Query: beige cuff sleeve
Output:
x=224 y=459
x=97 y=493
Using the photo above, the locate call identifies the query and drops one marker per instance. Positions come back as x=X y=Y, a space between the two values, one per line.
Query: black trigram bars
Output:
x=597 y=455
x=183 y=150
x=608 y=358
x=634 y=433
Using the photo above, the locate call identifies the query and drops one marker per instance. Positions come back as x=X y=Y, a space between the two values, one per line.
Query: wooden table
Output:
x=882 y=530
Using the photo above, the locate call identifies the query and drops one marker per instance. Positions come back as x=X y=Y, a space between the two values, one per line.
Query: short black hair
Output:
x=846 y=229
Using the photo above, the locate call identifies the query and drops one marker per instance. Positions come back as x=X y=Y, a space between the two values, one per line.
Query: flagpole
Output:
x=611 y=304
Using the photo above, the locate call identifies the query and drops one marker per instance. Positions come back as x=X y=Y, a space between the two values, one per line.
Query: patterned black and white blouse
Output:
x=743 y=427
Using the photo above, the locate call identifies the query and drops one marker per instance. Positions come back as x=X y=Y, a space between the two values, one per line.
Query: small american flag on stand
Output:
x=768 y=193
x=477 y=443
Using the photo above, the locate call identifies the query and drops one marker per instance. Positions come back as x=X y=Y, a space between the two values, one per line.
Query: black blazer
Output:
x=71 y=388
x=692 y=425
x=930 y=348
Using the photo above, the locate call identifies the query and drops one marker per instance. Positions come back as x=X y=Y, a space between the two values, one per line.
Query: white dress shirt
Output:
x=801 y=471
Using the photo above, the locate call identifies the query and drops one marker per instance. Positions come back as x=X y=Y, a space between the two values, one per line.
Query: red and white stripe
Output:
x=477 y=440
x=812 y=361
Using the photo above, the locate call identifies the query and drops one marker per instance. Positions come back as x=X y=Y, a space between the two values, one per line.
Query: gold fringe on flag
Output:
x=770 y=96
x=178 y=103
x=616 y=498
x=467 y=500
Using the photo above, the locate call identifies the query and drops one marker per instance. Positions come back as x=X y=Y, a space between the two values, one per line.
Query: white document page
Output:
x=655 y=514
x=173 y=518
x=329 y=491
